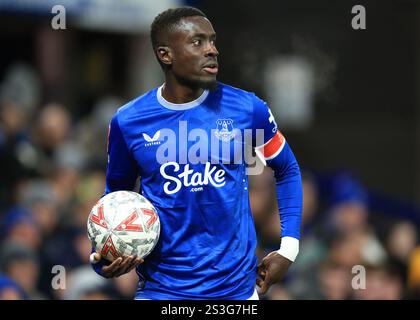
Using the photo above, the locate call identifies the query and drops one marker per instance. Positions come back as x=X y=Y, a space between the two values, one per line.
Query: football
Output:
x=123 y=223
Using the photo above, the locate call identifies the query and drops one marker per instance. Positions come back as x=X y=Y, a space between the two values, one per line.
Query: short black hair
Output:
x=167 y=19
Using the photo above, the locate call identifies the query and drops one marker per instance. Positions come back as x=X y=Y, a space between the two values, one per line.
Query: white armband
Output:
x=289 y=248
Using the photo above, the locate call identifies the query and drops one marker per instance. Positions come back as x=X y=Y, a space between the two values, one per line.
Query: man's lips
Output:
x=211 y=68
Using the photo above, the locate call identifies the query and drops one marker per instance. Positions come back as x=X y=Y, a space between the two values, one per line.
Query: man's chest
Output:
x=190 y=138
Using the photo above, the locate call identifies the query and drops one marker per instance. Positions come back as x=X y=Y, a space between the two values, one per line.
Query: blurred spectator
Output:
x=413 y=273
x=39 y=198
x=357 y=247
x=383 y=282
x=21 y=264
x=334 y=281
x=52 y=127
x=329 y=280
x=88 y=191
x=310 y=209
x=10 y=290
x=84 y=284
x=348 y=209
x=312 y=246
x=51 y=130
x=21 y=85
x=68 y=249
x=20 y=93
x=401 y=242
x=262 y=197
x=92 y=130
x=20 y=226
x=278 y=292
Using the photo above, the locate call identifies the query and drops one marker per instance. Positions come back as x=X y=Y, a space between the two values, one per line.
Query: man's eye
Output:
x=197 y=42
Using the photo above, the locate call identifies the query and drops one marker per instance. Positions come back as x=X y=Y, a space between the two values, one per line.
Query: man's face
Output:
x=194 y=53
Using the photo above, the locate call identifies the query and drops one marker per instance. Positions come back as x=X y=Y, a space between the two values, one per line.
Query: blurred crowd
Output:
x=346 y=251
x=53 y=171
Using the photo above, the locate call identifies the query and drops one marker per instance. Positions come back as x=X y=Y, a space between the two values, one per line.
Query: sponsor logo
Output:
x=152 y=141
x=190 y=178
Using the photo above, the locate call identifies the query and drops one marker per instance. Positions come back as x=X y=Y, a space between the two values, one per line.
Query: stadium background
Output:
x=345 y=99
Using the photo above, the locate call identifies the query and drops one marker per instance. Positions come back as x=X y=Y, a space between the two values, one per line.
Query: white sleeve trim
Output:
x=289 y=248
x=260 y=156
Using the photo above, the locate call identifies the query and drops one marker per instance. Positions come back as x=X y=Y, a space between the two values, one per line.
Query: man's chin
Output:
x=210 y=84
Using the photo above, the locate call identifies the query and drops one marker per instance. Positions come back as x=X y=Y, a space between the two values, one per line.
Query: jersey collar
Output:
x=180 y=106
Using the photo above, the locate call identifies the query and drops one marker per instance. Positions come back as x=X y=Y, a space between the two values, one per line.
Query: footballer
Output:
x=175 y=138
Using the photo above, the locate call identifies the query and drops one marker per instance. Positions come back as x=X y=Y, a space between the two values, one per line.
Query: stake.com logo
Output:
x=226 y=145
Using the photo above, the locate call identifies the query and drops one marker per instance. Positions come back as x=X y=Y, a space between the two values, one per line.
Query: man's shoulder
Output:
x=137 y=104
x=232 y=89
x=235 y=92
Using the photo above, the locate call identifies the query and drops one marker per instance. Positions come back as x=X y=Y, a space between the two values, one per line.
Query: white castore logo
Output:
x=189 y=178
x=152 y=141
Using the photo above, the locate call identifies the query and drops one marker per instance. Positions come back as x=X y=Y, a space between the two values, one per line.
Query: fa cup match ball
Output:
x=123 y=223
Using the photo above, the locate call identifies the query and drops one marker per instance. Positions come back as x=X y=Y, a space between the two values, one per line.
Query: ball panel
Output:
x=123 y=223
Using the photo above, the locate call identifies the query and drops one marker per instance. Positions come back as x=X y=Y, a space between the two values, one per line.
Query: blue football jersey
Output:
x=192 y=162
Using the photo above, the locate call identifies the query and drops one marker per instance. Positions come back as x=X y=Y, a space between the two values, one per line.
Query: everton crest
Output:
x=224 y=131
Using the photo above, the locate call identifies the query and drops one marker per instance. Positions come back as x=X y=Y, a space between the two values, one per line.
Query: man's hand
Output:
x=119 y=266
x=271 y=269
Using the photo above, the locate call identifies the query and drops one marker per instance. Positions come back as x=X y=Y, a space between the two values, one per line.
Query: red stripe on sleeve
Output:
x=273 y=146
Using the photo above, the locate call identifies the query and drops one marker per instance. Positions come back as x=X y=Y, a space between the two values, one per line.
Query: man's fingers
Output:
x=262 y=273
x=116 y=263
x=263 y=287
x=263 y=284
x=262 y=270
x=113 y=265
x=132 y=266
x=126 y=264
x=263 y=264
x=121 y=265
x=136 y=261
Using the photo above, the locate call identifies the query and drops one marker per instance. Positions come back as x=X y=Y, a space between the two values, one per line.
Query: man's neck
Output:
x=178 y=93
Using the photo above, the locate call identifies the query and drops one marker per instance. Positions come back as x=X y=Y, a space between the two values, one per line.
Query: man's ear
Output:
x=165 y=55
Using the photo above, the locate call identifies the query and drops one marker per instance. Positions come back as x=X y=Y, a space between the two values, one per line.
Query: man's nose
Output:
x=211 y=50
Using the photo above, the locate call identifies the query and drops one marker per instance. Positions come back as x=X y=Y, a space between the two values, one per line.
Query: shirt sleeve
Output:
x=273 y=150
x=122 y=170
